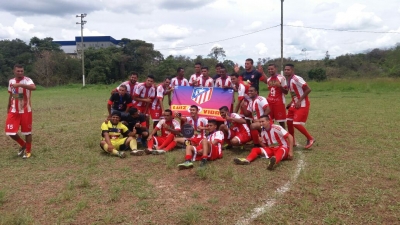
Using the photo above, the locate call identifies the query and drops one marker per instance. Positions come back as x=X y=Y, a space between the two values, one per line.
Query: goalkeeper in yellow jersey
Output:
x=116 y=137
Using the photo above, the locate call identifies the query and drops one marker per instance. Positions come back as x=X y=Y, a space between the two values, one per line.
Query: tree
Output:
x=46 y=44
x=317 y=74
x=217 y=52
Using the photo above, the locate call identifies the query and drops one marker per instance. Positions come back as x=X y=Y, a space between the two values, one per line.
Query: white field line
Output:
x=270 y=202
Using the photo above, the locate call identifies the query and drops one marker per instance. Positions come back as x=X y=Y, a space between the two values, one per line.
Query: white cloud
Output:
x=326 y=6
x=261 y=49
x=253 y=26
x=170 y=32
x=354 y=18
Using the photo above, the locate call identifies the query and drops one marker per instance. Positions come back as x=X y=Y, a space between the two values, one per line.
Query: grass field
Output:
x=351 y=176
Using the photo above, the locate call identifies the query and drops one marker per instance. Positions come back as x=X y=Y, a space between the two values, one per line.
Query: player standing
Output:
x=19 y=110
x=299 y=106
x=193 y=81
x=276 y=98
x=250 y=75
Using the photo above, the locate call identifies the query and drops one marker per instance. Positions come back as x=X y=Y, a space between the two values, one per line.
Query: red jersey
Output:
x=21 y=97
x=237 y=127
x=296 y=85
x=144 y=92
x=243 y=91
x=275 y=136
x=172 y=124
x=276 y=96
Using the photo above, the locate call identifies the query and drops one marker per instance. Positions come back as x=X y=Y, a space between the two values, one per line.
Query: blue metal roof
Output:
x=97 y=39
x=65 y=43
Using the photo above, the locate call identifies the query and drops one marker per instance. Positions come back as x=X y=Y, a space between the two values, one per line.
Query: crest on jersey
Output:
x=202 y=94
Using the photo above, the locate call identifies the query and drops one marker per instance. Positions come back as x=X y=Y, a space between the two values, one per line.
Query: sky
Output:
x=243 y=28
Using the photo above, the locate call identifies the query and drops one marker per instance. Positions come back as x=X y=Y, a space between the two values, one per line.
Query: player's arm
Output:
x=109 y=103
x=174 y=130
x=107 y=139
x=267 y=110
x=138 y=98
x=263 y=77
x=30 y=87
x=9 y=102
x=245 y=110
x=153 y=132
x=306 y=90
x=179 y=116
x=128 y=106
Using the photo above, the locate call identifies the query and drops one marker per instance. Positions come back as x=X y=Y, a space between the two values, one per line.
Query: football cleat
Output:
x=241 y=161
x=21 y=151
x=26 y=155
x=137 y=152
x=185 y=165
x=272 y=162
x=309 y=143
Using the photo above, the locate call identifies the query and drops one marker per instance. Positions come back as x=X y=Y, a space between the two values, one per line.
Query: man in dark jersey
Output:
x=250 y=75
x=120 y=101
x=136 y=123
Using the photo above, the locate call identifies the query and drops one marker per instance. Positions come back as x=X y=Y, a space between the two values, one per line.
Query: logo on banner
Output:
x=202 y=94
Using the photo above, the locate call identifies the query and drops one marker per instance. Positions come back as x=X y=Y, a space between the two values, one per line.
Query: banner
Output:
x=208 y=99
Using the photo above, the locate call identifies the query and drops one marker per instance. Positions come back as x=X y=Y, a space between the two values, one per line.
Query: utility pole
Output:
x=83 y=15
x=282 y=37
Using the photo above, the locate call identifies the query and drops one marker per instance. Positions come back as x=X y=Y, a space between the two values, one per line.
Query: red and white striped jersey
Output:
x=172 y=124
x=179 y=82
x=276 y=96
x=275 y=136
x=209 y=82
x=223 y=82
x=296 y=90
x=193 y=78
x=243 y=91
x=201 y=121
x=21 y=97
x=144 y=92
x=130 y=88
x=238 y=127
x=257 y=107
x=217 y=135
x=160 y=92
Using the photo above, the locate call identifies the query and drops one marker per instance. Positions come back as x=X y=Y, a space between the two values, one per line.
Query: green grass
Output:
x=350 y=177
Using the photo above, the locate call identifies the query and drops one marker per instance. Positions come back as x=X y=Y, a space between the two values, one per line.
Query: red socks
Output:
x=255 y=137
x=303 y=130
x=20 y=142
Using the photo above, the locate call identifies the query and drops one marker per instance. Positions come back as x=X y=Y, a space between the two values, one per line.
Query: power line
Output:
x=315 y=28
x=355 y=31
x=183 y=47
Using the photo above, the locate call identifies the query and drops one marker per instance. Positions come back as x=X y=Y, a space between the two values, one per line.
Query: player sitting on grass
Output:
x=169 y=128
x=277 y=144
x=136 y=123
x=115 y=136
x=210 y=148
x=234 y=128
x=198 y=123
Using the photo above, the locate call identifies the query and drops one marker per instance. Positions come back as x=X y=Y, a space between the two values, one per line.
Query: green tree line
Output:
x=48 y=65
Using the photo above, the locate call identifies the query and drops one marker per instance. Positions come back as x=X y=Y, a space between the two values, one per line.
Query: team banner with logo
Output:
x=208 y=99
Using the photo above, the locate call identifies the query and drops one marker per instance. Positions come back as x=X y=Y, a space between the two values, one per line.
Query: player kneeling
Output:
x=271 y=134
x=115 y=136
x=169 y=128
x=210 y=148
x=234 y=128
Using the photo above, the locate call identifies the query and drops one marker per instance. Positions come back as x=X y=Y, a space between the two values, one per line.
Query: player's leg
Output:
x=112 y=150
x=190 y=149
x=26 y=129
x=300 y=118
x=12 y=125
x=280 y=114
x=170 y=137
x=254 y=153
x=254 y=131
x=207 y=151
x=289 y=121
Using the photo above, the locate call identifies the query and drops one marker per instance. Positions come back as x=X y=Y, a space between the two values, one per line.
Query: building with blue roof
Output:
x=73 y=47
